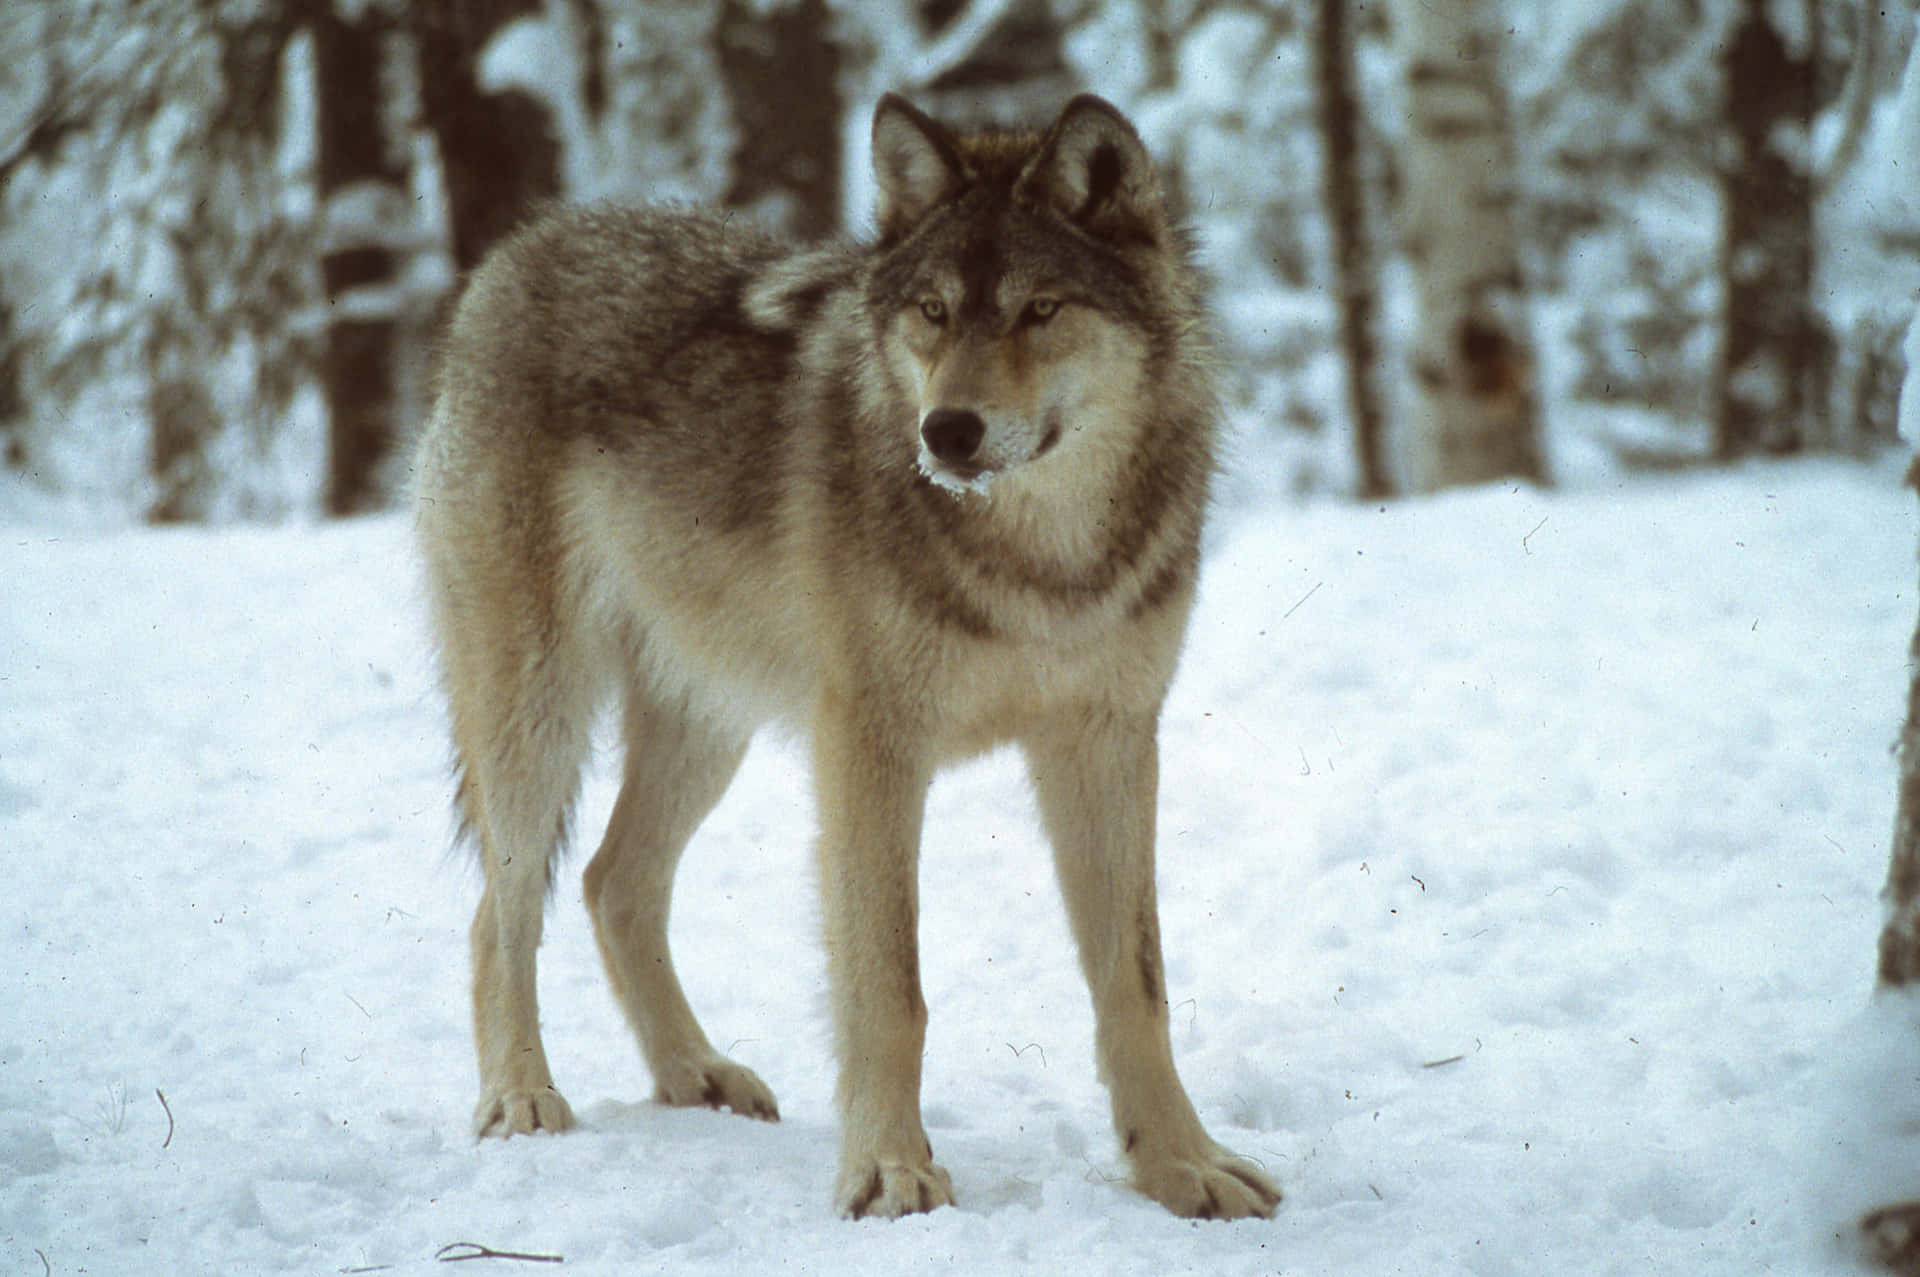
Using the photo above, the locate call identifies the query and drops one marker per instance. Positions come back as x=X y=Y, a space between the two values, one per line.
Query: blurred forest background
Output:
x=1453 y=239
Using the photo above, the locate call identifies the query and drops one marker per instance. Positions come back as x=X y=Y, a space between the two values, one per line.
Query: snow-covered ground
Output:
x=1520 y=857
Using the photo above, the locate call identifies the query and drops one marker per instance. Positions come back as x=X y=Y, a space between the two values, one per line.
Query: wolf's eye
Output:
x=934 y=310
x=1040 y=310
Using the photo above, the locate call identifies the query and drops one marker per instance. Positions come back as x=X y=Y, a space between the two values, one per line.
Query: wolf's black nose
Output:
x=953 y=435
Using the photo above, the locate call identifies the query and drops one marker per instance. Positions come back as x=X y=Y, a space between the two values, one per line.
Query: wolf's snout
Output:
x=953 y=435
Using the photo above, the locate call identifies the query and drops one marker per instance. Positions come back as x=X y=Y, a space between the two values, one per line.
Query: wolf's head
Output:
x=1020 y=285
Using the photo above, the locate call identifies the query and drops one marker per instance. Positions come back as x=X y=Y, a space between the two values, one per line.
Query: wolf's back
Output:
x=623 y=338
x=609 y=315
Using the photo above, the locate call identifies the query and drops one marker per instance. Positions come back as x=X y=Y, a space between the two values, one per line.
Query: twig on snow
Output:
x=1303 y=598
x=1019 y=1051
x=455 y=1252
x=168 y=1110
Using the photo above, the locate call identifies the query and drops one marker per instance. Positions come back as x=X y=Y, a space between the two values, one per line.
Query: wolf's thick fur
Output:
x=918 y=498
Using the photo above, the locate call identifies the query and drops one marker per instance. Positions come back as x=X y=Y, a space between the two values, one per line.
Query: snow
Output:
x=1520 y=854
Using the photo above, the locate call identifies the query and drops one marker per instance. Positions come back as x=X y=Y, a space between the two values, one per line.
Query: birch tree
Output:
x=1475 y=415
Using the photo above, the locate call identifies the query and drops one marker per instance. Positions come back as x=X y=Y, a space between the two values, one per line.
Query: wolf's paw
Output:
x=890 y=1189
x=522 y=1112
x=717 y=1083
x=1214 y=1185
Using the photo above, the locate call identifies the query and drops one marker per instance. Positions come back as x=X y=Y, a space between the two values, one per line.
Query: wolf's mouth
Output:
x=958 y=478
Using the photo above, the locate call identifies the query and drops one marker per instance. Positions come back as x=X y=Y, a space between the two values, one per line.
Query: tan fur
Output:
x=689 y=466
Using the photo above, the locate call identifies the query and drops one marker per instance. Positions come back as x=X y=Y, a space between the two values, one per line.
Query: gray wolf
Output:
x=916 y=498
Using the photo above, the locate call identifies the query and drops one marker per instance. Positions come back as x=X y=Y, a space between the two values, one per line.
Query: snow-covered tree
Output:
x=156 y=260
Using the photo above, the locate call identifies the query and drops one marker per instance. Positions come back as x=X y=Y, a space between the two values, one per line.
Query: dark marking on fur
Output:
x=1131 y=1142
x=792 y=293
x=710 y=1093
x=981 y=261
x=1173 y=578
x=1168 y=482
x=1151 y=981
x=804 y=303
x=916 y=999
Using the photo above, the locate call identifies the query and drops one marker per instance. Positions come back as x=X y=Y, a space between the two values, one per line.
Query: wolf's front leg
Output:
x=872 y=791
x=1096 y=776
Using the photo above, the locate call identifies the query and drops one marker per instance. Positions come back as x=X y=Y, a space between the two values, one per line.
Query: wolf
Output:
x=914 y=497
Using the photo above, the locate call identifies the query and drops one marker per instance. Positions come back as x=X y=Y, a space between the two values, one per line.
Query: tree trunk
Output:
x=498 y=151
x=358 y=368
x=1900 y=941
x=1891 y=1233
x=1772 y=358
x=782 y=73
x=1476 y=418
x=1353 y=259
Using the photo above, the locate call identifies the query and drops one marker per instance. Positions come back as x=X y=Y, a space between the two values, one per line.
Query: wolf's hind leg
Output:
x=678 y=764
x=520 y=776
x=1096 y=776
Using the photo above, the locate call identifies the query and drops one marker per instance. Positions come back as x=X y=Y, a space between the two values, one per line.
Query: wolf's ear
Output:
x=1093 y=169
x=915 y=164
